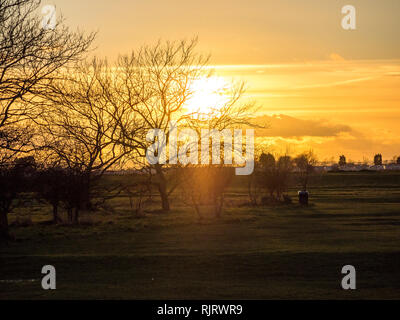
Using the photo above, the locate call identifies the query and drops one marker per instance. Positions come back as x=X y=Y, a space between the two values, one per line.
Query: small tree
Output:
x=306 y=166
x=52 y=185
x=274 y=176
x=284 y=171
x=342 y=160
x=398 y=160
x=378 y=159
x=138 y=192
x=268 y=173
x=205 y=186
x=267 y=160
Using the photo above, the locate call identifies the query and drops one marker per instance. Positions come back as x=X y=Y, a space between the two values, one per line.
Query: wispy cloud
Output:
x=337 y=83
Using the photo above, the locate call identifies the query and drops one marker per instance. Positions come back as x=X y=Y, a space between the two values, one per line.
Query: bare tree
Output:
x=378 y=159
x=154 y=85
x=305 y=164
x=15 y=177
x=29 y=57
x=267 y=175
x=51 y=185
x=78 y=128
x=274 y=177
x=342 y=161
x=15 y=139
x=138 y=192
x=206 y=186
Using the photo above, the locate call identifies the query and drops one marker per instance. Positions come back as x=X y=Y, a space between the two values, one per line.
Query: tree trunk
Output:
x=4 y=235
x=162 y=188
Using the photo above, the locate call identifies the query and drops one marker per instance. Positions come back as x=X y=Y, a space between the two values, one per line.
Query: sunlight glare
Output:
x=209 y=95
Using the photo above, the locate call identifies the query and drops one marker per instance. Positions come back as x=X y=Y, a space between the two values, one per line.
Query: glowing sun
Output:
x=209 y=95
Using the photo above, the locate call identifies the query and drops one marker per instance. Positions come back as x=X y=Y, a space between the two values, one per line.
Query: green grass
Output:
x=281 y=252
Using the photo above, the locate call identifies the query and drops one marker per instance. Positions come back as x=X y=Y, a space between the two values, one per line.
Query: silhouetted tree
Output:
x=29 y=56
x=378 y=159
x=154 y=83
x=305 y=163
x=342 y=160
x=267 y=160
x=256 y=181
x=268 y=173
x=79 y=129
x=15 y=178
x=206 y=186
x=274 y=176
x=284 y=170
x=52 y=186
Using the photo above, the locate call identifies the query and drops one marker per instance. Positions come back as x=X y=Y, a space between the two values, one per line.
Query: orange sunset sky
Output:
x=319 y=86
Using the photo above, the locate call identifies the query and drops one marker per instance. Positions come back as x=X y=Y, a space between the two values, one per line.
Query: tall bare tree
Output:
x=29 y=57
x=79 y=129
x=155 y=82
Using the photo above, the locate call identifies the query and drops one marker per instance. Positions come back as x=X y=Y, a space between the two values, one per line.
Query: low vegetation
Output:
x=273 y=251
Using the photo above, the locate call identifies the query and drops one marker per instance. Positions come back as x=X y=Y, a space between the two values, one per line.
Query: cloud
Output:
x=337 y=83
x=393 y=74
x=290 y=127
x=336 y=57
x=326 y=139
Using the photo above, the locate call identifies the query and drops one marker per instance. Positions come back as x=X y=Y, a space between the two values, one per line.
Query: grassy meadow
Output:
x=265 y=252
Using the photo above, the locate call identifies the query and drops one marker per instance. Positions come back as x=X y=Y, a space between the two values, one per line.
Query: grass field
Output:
x=281 y=252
